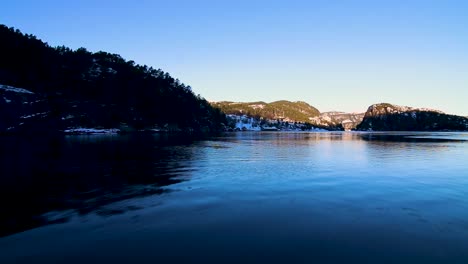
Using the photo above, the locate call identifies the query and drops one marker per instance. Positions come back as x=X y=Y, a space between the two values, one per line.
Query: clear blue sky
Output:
x=336 y=55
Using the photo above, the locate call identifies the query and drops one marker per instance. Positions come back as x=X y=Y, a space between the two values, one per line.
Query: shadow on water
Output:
x=83 y=174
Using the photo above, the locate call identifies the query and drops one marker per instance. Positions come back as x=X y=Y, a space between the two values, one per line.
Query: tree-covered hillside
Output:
x=293 y=111
x=388 y=117
x=87 y=89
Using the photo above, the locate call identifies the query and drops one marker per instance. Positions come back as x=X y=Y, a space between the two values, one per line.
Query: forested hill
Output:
x=78 y=88
x=293 y=111
x=389 y=117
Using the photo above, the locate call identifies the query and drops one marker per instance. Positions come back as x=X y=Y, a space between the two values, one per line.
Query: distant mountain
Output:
x=292 y=112
x=388 y=117
x=46 y=88
x=346 y=121
x=283 y=110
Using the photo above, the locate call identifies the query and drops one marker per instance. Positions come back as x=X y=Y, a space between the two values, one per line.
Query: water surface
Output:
x=239 y=198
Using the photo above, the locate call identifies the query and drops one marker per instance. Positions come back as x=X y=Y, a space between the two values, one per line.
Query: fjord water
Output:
x=238 y=198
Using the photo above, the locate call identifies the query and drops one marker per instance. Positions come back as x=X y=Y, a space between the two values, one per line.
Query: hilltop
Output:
x=389 y=117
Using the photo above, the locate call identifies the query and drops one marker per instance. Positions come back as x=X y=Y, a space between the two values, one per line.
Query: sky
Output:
x=335 y=55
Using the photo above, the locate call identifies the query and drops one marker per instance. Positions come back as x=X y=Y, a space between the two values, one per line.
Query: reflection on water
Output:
x=238 y=198
x=84 y=173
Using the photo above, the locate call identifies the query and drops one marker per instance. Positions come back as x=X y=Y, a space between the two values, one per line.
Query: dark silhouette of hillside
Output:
x=84 y=89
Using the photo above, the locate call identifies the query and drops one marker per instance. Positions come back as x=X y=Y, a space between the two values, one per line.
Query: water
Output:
x=239 y=198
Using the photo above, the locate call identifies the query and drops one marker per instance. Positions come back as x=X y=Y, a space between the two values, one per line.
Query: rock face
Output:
x=388 y=117
x=346 y=121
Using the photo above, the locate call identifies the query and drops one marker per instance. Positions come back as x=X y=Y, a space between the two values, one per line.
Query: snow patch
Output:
x=67 y=117
x=14 y=89
x=245 y=123
x=33 y=115
x=6 y=100
x=81 y=130
x=257 y=106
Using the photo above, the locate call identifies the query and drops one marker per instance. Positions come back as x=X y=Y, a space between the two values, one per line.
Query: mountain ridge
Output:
x=292 y=111
x=44 y=88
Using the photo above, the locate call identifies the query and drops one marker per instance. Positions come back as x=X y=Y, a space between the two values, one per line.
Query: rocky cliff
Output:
x=346 y=121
